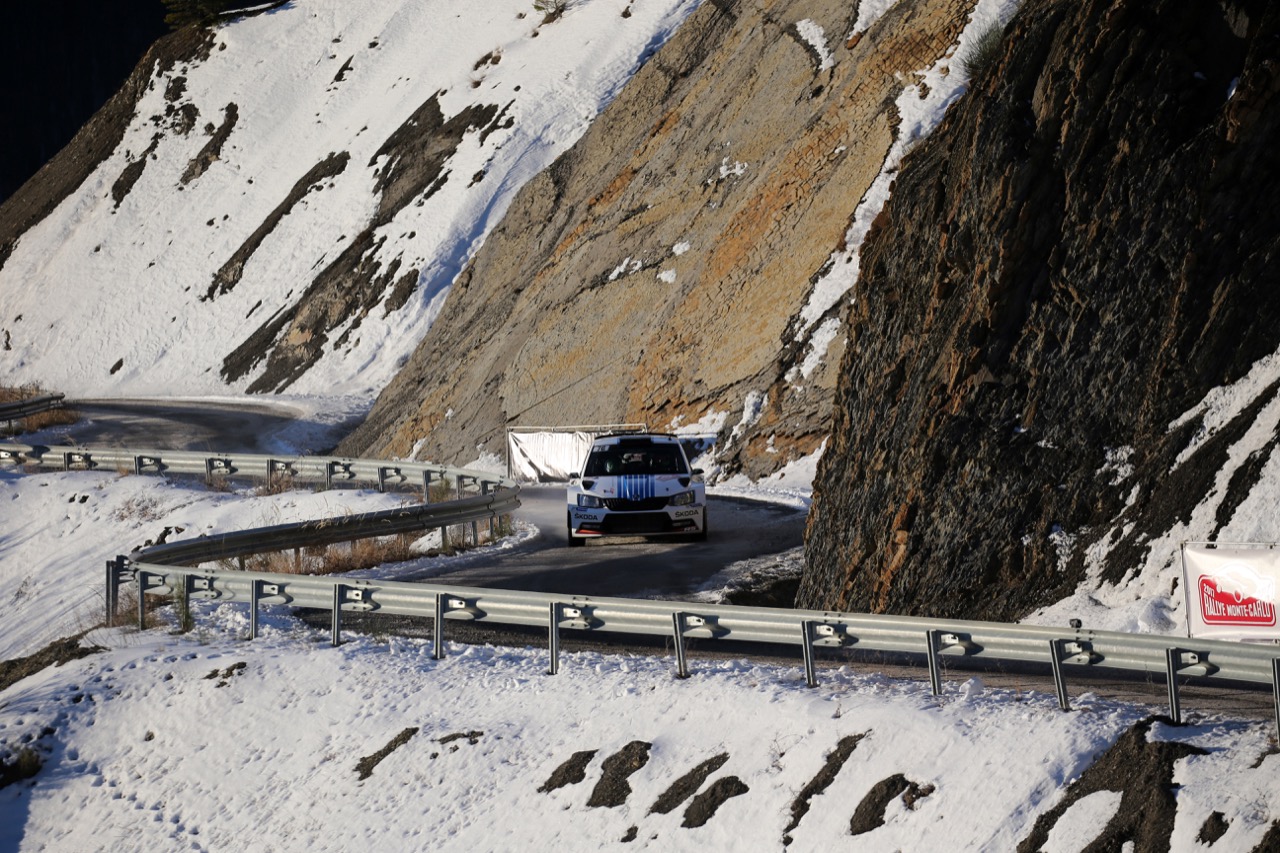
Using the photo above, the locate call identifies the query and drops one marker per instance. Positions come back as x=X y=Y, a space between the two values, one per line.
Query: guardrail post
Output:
x=1172 y=657
x=437 y=630
x=1059 y=680
x=553 y=638
x=109 y=593
x=935 y=670
x=1275 y=689
x=485 y=486
x=181 y=601
x=141 y=579
x=810 y=670
x=116 y=570
x=255 y=592
x=214 y=465
x=337 y=615
x=682 y=664
x=426 y=488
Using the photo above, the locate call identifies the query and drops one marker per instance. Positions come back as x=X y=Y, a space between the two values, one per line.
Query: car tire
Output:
x=574 y=541
x=701 y=535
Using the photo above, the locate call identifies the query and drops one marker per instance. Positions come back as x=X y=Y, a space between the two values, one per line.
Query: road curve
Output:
x=631 y=566
x=180 y=424
x=623 y=566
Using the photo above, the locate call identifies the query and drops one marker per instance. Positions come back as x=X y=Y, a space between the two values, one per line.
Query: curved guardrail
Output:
x=1060 y=648
x=31 y=406
x=474 y=496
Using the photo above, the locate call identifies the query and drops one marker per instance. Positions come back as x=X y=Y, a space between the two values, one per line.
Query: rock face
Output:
x=657 y=271
x=1066 y=267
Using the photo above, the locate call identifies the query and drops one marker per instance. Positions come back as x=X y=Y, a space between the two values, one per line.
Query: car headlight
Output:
x=590 y=501
x=682 y=499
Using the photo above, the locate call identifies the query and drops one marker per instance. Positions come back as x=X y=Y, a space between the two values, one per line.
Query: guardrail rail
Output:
x=31 y=406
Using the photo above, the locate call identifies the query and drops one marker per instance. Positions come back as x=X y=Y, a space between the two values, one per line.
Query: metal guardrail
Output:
x=1058 y=648
x=475 y=496
x=1062 y=649
x=31 y=406
x=330 y=470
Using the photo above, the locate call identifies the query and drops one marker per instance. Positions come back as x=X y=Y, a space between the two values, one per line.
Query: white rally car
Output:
x=636 y=485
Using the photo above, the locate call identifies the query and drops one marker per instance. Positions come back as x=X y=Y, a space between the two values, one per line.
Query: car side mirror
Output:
x=575 y=475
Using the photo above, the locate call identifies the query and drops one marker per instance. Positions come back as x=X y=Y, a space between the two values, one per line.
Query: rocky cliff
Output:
x=1065 y=272
x=667 y=268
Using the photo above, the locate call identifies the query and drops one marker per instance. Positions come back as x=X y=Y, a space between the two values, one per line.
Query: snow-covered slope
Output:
x=243 y=178
x=206 y=742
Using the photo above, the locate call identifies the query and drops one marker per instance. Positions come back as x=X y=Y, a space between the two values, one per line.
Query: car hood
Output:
x=639 y=486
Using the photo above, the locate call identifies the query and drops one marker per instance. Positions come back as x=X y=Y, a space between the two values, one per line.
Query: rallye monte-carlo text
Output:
x=636 y=484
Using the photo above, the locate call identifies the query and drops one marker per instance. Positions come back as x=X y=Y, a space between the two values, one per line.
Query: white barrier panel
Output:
x=541 y=457
x=1231 y=591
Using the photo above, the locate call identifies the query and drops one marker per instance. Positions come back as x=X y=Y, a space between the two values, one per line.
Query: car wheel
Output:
x=701 y=535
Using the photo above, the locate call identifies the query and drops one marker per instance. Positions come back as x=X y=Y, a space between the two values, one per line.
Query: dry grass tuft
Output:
x=275 y=485
x=332 y=559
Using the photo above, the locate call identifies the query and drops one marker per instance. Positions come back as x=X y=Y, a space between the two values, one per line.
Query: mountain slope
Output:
x=1065 y=331
x=688 y=261
x=284 y=203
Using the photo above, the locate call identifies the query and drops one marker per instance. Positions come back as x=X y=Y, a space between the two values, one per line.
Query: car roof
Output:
x=624 y=439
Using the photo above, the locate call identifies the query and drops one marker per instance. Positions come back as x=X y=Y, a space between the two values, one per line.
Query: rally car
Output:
x=636 y=485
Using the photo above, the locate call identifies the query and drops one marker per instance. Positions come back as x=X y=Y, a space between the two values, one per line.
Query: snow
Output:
x=62 y=526
x=870 y=11
x=149 y=262
x=203 y=740
x=1150 y=598
x=814 y=36
x=728 y=169
x=143 y=750
x=1223 y=404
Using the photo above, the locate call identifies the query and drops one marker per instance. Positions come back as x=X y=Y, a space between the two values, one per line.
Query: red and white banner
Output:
x=1231 y=591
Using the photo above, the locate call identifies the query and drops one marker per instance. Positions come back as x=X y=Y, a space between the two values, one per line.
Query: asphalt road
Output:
x=617 y=566
x=179 y=425
x=631 y=566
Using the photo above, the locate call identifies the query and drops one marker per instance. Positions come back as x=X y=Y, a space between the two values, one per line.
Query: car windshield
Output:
x=652 y=459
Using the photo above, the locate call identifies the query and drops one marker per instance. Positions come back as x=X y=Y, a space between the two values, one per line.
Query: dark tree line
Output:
x=204 y=12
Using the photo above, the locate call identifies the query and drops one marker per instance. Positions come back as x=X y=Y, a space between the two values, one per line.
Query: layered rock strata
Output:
x=1068 y=266
x=655 y=273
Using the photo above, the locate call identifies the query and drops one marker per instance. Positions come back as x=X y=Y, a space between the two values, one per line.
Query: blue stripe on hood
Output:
x=635 y=487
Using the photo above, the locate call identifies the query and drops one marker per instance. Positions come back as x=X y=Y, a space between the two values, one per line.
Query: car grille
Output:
x=640 y=523
x=635 y=505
